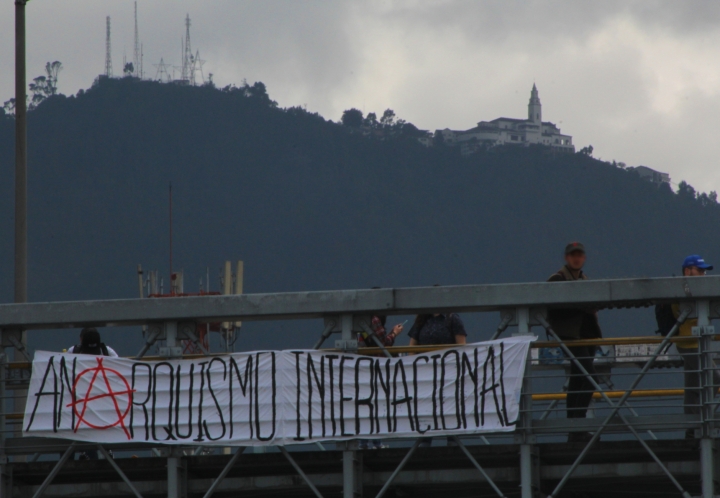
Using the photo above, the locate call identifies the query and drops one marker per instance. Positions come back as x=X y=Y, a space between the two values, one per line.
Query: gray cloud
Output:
x=640 y=80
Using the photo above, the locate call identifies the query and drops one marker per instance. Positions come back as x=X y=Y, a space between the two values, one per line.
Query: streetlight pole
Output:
x=20 y=156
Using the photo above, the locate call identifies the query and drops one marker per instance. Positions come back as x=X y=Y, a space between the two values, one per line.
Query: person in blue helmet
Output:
x=693 y=266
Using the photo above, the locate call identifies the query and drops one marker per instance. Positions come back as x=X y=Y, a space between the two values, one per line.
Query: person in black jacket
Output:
x=573 y=324
x=91 y=343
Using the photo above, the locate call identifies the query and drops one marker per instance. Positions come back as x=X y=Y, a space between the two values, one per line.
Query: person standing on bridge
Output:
x=693 y=266
x=573 y=324
x=90 y=343
x=437 y=329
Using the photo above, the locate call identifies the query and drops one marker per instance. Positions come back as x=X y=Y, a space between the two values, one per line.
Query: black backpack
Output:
x=665 y=318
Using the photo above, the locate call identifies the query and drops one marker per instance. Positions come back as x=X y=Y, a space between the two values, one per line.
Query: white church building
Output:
x=500 y=131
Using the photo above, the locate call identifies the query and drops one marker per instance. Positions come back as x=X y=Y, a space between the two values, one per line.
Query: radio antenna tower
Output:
x=136 y=50
x=162 y=71
x=108 y=57
x=197 y=64
x=187 y=61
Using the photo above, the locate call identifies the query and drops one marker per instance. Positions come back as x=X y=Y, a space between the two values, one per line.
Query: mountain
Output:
x=310 y=204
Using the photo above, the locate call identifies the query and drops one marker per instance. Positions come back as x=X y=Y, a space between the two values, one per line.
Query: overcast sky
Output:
x=640 y=81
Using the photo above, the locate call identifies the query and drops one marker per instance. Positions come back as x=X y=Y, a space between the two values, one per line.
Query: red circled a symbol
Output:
x=102 y=371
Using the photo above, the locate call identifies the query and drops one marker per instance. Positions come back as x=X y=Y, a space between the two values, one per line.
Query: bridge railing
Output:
x=638 y=391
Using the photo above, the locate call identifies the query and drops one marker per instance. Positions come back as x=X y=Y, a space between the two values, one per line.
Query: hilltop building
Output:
x=651 y=175
x=532 y=130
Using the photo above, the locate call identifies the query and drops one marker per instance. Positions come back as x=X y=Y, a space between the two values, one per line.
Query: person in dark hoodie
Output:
x=91 y=343
x=572 y=324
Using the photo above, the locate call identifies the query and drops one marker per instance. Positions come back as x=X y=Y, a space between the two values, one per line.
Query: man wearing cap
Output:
x=572 y=324
x=693 y=266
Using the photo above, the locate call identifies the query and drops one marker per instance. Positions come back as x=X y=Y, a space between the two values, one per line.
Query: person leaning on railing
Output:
x=572 y=324
x=377 y=324
x=693 y=266
x=438 y=328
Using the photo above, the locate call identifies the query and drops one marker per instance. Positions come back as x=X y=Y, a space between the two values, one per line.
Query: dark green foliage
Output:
x=588 y=151
x=352 y=117
x=309 y=205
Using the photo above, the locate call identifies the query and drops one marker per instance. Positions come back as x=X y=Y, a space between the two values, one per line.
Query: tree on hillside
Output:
x=9 y=106
x=371 y=121
x=128 y=69
x=588 y=151
x=44 y=87
x=352 y=117
x=686 y=191
x=388 y=118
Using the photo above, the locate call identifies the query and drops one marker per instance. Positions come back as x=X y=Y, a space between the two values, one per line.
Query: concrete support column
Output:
x=173 y=346
x=176 y=474
x=352 y=473
x=5 y=477
x=348 y=336
x=708 y=388
x=529 y=462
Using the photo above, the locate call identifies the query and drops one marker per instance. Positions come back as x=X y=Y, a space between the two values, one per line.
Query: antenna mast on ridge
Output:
x=137 y=63
x=108 y=57
x=197 y=64
x=162 y=71
x=188 y=73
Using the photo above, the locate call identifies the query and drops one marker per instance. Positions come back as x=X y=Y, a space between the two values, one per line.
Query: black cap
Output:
x=574 y=246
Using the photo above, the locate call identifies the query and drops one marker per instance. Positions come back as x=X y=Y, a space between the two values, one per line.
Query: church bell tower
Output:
x=534 y=106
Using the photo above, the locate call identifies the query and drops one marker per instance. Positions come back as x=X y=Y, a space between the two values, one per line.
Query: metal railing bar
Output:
x=54 y=472
x=479 y=467
x=610 y=341
x=300 y=471
x=616 y=407
x=503 y=325
x=224 y=473
x=327 y=332
x=371 y=333
x=117 y=468
x=636 y=393
x=397 y=470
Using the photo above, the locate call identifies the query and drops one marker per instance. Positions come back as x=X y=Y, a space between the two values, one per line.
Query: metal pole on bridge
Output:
x=21 y=249
x=529 y=472
x=20 y=156
x=708 y=389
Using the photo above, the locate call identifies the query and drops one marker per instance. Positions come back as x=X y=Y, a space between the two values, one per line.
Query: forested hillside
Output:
x=308 y=204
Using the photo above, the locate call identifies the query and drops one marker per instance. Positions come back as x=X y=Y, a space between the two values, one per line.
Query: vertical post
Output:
x=4 y=475
x=173 y=348
x=352 y=459
x=352 y=473
x=21 y=241
x=529 y=469
x=176 y=474
x=707 y=394
x=20 y=156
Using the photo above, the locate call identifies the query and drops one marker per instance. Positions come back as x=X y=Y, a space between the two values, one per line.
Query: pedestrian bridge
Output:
x=643 y=441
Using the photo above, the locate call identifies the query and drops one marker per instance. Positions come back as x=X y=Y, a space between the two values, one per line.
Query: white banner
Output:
x=277 y=397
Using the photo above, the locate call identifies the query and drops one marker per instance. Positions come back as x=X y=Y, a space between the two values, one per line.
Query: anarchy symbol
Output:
x=96 y=393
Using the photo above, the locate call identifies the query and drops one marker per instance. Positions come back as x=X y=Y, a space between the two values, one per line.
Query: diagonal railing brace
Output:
x=300 y=471
x=371 y=333
x=399 y=468
x=117 y=468
x=616 y=407
x=54 y=472
x=326 y=333
x=478 y=466
x=224 y=473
